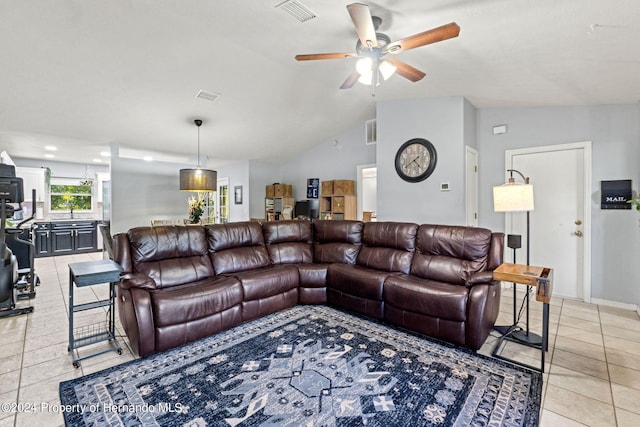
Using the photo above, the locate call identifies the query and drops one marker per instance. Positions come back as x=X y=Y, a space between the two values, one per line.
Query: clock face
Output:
x=416 y=160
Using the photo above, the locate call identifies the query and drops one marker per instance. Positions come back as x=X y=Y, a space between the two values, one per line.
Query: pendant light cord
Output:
x=198 y=122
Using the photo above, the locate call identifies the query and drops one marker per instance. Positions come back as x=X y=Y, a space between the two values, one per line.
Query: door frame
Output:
x=359 y=191
x=471 y=209
x=586 y=161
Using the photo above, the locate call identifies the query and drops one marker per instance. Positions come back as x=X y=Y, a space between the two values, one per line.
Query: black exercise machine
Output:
x=14 y=281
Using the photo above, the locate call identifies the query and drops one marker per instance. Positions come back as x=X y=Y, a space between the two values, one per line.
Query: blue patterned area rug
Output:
x=308 y=366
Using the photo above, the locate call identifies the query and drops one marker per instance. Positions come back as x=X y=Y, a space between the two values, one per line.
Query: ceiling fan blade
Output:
x=363 y=22
x=434 y=35
x=351 y=80
x=406 y=70
x=314 y=56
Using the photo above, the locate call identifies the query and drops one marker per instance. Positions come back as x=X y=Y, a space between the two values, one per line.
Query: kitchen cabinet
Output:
x=42 y=241
x=66 y=237
x=32 y=178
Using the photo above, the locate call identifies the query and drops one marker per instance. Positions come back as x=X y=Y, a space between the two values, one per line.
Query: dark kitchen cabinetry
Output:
x=66 y=237
x=42 y=241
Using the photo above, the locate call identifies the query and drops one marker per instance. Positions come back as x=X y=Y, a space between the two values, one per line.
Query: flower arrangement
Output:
x=196 y=208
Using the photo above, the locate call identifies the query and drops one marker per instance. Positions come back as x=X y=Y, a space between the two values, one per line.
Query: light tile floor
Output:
x=592 y=374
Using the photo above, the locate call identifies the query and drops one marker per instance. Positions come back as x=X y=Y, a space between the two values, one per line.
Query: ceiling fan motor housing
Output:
x=376 y=52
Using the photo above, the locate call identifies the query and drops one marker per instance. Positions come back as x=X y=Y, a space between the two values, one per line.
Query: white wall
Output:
x=142 y=191
x=238 y=174
x=615 y=134
x=442 y=122
x=336 y=158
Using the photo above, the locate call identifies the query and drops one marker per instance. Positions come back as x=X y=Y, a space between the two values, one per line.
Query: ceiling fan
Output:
x=373 y=49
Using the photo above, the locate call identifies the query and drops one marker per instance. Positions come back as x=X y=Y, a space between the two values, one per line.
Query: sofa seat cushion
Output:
x=187 y=303
x=313 y=275
x=313 y=283
x=356 y=280
x=428 y=297
x=265 y=282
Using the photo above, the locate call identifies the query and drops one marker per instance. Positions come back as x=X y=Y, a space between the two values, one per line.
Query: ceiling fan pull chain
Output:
x=374 y=78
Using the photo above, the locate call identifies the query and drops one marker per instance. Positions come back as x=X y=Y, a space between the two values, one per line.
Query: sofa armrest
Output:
x=480 y=277
x=137 y=280
x=136 y=316
x=482 y=312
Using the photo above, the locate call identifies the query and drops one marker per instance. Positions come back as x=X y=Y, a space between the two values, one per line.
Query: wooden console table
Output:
x=542 y=279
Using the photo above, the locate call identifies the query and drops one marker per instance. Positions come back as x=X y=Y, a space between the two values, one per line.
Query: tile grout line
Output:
x=606 y=361
x=24 y=343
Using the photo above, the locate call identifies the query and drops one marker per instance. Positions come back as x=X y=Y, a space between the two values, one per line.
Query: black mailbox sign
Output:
x=615 y=194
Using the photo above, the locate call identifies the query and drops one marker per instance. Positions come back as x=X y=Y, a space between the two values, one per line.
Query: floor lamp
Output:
x=517 y=197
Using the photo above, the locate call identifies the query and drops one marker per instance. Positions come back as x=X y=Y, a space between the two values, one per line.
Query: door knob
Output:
x=578 y=233
x=578 y=222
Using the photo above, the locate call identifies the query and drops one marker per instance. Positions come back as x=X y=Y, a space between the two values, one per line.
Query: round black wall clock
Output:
x=416 y=160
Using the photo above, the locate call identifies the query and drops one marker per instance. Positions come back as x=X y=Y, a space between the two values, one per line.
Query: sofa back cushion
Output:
x=337 y=241
x=236 y=246
x=450 y=254
x=288 y=242
x=388 y=246
x=171 y=255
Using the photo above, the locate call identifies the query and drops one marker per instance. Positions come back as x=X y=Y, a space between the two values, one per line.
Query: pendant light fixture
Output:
x=198 y=179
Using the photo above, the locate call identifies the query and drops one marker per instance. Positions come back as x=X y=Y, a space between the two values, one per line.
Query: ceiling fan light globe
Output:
x=387 y=69
x=364 y=66
x=366 y=78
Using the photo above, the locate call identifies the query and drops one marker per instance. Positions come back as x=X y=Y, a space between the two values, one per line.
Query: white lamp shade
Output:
x=198 y=180
x=513 y=197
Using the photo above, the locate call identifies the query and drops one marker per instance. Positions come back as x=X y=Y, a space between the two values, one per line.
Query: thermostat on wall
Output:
x=444 y=186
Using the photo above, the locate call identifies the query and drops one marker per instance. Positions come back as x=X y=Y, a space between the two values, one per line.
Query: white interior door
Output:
x=471 y=186
x=366 y=188
x=222 y=211
x=560 y=221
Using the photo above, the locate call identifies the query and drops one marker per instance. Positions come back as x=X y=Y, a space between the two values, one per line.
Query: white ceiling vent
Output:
x=370 y=132
x=209 y=96
x=296 y=9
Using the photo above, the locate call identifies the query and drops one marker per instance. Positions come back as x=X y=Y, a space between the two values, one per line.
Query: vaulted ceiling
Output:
x=81 y=75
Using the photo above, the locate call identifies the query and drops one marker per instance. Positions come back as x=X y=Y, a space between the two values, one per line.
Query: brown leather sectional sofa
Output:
x=183 y=283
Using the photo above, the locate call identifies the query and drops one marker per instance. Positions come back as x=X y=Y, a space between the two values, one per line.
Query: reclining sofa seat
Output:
x=311 y=248
x=168 y=294
x=450 y=292
x=238 y=250
x=387 y=249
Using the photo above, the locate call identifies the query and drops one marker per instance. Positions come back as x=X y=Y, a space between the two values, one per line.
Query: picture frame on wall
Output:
x=313 y=188
x=237 y=194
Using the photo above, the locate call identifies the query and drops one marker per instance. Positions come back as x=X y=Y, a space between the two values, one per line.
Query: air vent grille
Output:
x=296 y=9
x=371 y=132
x=209 y=96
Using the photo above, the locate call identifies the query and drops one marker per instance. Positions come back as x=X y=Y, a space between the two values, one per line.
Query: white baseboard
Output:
x=615 y=304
